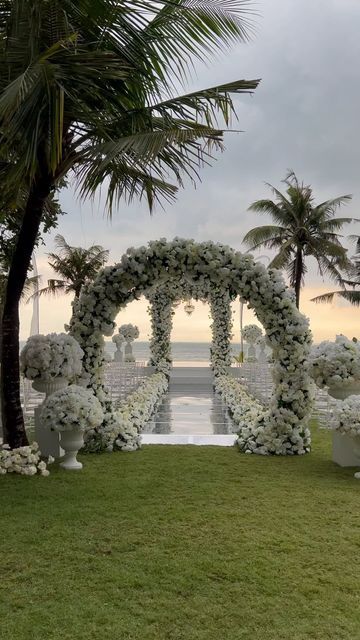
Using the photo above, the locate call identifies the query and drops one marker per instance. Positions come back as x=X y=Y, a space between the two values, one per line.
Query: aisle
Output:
x=190 y=416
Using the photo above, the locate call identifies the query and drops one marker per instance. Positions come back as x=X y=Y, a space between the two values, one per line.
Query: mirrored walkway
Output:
x=191 y=413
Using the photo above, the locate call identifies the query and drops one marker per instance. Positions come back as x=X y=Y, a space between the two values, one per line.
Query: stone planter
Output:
x=71 y=442
x=356 y=449
x=49 y=387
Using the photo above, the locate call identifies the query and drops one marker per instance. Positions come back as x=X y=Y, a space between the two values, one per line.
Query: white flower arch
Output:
x=208 y=266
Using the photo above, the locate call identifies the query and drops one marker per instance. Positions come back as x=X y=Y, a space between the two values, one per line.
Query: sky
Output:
x=304 y=116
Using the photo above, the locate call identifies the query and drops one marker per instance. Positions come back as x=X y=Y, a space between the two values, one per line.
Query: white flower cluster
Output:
x=250 y=416
x=25 y=461
x=123 y=431
x=118 y=340
x=207 y=265
x=56 y=355
x=71 y=409
x=129 y=332
x=346 y=416
x=332 y=363
x=251 y=333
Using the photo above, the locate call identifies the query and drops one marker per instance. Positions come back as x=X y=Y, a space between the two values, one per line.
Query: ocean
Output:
x=181 y=351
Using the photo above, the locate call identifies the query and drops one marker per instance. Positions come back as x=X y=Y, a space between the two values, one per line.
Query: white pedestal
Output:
x=343 y=451
x=48 y=441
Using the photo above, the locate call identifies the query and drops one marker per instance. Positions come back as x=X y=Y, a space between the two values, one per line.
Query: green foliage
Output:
x=88 y=86
x=351 y=295
x=187 y=543
x=76 y=266
x=301 y=229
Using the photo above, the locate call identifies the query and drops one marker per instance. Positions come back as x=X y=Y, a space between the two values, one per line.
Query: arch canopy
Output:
x=219 y=274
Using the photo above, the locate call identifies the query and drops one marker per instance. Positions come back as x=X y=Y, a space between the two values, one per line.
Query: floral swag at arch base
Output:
x=163 y=271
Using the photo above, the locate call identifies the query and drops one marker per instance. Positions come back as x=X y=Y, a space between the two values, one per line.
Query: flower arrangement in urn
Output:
x=251 y=333
x=129 y=332
x=346 y=420
x=50 y=359
x=71 y=411
x=336 y=365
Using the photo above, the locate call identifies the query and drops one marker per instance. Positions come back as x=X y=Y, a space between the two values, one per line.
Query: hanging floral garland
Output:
x=208 y=265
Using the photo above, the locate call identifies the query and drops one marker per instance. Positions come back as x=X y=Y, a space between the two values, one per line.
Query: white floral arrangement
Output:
x=25 y=461
x=56 y=355
x=346 y=416
x=71 y=409
x=123 y=431
x=129 y=332
x=209 y=266
x=248 y=414
x=251 y=333
x=118 y=340
x=333 y=363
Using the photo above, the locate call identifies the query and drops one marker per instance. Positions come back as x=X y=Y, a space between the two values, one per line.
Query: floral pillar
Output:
x=220 y=306
x=161 y=313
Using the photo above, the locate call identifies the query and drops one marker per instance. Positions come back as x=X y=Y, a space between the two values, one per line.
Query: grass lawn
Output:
x=183 y=543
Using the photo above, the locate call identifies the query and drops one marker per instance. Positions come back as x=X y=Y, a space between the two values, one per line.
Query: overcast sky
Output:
x=304 y=116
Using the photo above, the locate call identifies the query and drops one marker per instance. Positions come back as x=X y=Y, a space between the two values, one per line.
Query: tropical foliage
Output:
x=351 y=295
x=89 y=87
x=75 y=266
x=302 y=228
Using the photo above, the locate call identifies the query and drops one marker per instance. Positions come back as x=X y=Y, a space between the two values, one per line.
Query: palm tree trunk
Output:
x=298 y=275
x=12 y=416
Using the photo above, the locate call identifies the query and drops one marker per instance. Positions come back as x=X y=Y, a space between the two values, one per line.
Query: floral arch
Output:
x=220 y=274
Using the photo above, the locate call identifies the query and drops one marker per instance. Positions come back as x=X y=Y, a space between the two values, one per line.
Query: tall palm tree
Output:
x=75 y=265
x=302 y=229
x=352 y=296
x=88 y=86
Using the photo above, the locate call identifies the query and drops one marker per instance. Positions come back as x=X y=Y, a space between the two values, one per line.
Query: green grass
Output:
x=183 y=543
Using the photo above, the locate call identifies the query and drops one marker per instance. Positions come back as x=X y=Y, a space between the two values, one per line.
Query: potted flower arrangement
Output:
x=118 y=340
x=70 y=412
x=346 y=421
x=51 y=361
x=129 y=332
x=336 y=365
x=251 y=333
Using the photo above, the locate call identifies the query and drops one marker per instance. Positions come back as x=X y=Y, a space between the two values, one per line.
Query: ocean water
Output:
x=181 y=351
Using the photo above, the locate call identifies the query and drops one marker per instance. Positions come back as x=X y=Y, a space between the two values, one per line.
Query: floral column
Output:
x=220 y=306
x=161 y=314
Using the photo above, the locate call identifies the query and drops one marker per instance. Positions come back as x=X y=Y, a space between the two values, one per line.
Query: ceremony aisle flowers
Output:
x=208 y=266
x=56 y=355
x=123 y=432
x=25 y=461
x=333 y=363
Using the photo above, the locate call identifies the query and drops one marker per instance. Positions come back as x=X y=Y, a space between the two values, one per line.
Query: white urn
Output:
x=49 y=386
x=71 y=441
x=356 y=448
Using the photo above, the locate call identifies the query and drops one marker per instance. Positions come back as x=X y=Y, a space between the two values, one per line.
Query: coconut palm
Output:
x=352 y=296
x=302 y=229
x=88 y=86
x=75 y=266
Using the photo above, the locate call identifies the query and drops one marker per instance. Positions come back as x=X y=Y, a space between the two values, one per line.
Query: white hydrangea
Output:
x=25 y=461
x=251 y=333
x=332 y=363
x=129 y=332
x=56 y=355
x=72 y=408
x=346 y=416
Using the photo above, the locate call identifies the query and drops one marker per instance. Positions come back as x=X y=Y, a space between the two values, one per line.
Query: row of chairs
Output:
x=120 y=380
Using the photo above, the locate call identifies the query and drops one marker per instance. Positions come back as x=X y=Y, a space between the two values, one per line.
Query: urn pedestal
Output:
x=129 y=356
x=71 y=442
x=343 y=449
x=48 y=441
x=118 y=356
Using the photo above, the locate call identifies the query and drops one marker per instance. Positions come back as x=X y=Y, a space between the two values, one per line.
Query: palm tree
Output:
x=349 y=295
x=302 y=229
x=88 y=86
x=75 y=265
